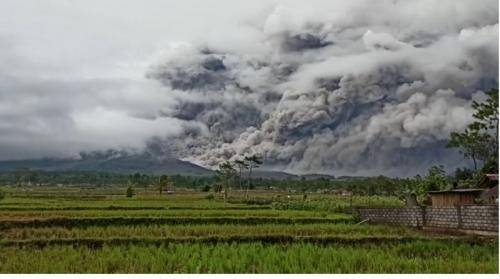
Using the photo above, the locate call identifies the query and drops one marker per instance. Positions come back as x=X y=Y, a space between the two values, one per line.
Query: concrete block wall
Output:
x=410 y=216
x=484 y=218
x=480 y=218
x=441 y=217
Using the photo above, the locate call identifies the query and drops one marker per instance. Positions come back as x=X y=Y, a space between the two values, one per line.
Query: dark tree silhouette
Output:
x=252 y=162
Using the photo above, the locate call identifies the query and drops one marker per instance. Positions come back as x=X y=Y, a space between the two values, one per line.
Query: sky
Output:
x=340 y=87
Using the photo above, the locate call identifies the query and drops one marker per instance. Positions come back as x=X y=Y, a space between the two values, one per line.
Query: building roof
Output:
x=457 y=191
x=492 y=192
x=492 y=176
x=488 y=180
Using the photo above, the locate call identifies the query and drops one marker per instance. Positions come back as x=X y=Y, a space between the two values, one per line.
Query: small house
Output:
x=490 y=194
x=488 y=181
x=454 y=197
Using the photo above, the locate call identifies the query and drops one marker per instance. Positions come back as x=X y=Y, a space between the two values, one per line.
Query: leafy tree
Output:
x=471 y=144
x=487 y=123
x=487 y=116
x=252 y=162
x=226 y=172
x=21 y=175
x=130 y=192
x=412 y=189
x=163 y=182
x=435 y=179
x=133 y=179
x=139 y=180
x=480 y=139
x=34 y=178
x=464 y=174
x=491 y=166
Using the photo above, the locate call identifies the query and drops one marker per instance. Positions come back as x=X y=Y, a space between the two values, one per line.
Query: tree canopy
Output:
x=479 y=141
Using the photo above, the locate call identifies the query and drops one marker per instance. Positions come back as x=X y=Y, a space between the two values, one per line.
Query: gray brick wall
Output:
x=441 y=217
x=482 y=218
x=410 y=216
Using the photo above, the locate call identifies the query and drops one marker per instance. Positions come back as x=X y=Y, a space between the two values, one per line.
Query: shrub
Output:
x=2 y=194
x=130 y=192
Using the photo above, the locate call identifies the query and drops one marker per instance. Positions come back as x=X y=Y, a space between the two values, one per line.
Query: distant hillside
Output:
x=314 y=176
x=120 y=162
x=280 y=175
x=143 y=163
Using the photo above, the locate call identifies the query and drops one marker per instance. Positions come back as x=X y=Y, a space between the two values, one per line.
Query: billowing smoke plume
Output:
x=374 y=87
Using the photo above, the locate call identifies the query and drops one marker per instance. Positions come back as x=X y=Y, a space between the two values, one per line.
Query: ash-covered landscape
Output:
x=249 y=137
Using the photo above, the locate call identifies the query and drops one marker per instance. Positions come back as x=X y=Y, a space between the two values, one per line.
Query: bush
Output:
x=130 y=192
x=210 y=197
x=2 y=194
x=206 y=188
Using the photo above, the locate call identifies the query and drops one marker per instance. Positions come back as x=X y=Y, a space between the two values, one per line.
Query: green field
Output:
x=71 y=230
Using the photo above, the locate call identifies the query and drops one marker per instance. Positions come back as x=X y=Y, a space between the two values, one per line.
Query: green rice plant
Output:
x=80 y=230
x=338 y=204
x=216 y=239
x=164 y=231
x=156 y=213
x=115 y=207
x=113 y=221
x=254 y=258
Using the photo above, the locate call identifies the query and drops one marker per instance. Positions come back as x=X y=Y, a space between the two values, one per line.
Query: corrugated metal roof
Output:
x=471 y=190
x=492 y=176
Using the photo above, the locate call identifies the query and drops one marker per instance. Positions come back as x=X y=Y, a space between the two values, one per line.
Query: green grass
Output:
x=136 y=221
x=322 y=202
x=198 y=200
x=413 y=257
x=163 y=231
x=19 y=215
x=76 y=230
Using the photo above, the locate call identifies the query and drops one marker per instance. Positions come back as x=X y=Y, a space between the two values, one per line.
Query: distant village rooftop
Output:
x=470 y=190
x=493 y=176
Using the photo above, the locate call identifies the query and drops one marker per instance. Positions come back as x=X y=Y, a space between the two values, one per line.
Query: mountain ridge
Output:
x=124 y=163
x=143 y=163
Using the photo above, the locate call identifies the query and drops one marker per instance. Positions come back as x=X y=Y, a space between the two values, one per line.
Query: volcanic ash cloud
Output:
x=334 y=94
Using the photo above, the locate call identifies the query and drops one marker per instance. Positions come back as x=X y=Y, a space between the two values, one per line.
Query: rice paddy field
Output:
x=72 y=230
